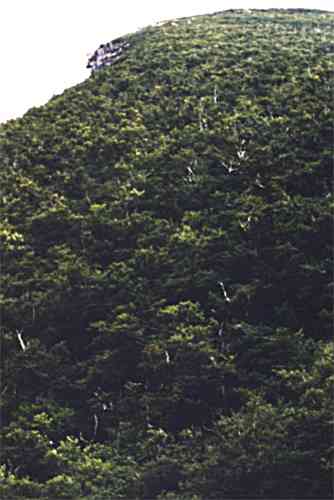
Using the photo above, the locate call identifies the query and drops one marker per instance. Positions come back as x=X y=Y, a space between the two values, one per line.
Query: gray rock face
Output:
x=108 y=54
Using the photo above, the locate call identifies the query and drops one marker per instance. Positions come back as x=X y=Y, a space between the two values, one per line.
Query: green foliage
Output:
x=77 y=472
x=166 y=298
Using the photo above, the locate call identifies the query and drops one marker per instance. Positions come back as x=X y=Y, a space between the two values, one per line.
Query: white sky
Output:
x=44 y=43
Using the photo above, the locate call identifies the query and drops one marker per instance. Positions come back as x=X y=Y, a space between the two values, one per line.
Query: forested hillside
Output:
x=166 y=235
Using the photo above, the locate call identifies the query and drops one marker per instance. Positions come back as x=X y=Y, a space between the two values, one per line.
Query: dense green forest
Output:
x=166 y=298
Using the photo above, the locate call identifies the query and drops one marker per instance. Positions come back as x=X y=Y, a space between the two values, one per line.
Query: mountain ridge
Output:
x=166 y=293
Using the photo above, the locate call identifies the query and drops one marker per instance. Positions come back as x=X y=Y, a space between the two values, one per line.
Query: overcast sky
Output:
x=44 y=43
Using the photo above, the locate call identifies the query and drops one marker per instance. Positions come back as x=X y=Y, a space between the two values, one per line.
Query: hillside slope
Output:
x=166 y=293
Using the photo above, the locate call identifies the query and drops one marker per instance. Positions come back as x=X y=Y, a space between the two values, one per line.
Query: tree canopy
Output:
x=166 y=234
